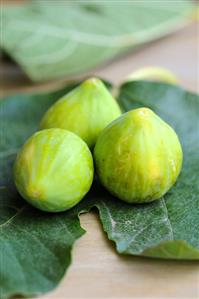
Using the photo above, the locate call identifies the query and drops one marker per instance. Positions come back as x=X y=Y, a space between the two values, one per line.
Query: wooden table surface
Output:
x=97 y=271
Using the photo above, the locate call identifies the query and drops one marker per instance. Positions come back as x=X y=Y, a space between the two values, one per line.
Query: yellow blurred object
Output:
x=195 y=14
x=153 y=73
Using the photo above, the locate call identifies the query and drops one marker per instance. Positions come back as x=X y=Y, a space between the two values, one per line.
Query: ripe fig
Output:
x=53 y=170
x=153 y=73
x=138 y=156
x=86 y=111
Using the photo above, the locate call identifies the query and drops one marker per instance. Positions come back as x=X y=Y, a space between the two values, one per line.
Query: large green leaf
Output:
x=50 y=40
x=35 y=247
x=168 y=228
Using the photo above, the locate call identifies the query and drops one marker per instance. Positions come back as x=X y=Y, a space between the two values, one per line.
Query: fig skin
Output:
x=138 y=157
x=86 y=111
x=53 y=170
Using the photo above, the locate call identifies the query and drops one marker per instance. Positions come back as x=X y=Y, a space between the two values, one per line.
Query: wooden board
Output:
x=97 y=270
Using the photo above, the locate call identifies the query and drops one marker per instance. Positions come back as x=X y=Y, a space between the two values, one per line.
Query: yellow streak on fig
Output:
x=154 y=170
x=153 y=73
x=34 y=193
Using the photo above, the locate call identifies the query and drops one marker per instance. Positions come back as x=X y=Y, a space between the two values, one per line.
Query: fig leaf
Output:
x=35 y=247
x=83 y=35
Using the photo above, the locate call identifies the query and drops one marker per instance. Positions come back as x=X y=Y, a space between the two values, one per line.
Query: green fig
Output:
x=138 y=156
x=53 y=170
x=86 y=111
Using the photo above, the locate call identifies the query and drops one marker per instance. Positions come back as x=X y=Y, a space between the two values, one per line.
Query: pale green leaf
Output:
x=51 y=39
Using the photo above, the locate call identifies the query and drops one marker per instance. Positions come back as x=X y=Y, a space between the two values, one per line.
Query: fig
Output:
x=53 y=170
x=86 y=111
x=153 y=73
x=138 y=156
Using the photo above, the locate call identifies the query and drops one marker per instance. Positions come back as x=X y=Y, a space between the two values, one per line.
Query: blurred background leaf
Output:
x=51 y=39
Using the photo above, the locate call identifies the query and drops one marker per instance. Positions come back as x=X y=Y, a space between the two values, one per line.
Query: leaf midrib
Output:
x=19 y=211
